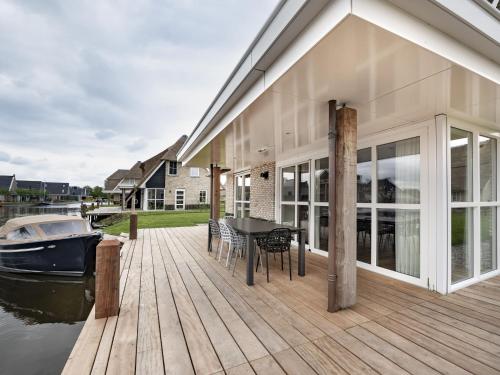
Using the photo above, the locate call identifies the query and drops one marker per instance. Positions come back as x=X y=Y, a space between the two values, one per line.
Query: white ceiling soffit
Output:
x=478 y=49
x=240 y=91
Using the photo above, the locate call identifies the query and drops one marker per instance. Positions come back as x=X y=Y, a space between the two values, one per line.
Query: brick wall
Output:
x=262 y=198
x=193 y=185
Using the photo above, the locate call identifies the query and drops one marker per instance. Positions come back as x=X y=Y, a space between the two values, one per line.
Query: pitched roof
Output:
x=114 y=179
x=30 y=185
x=142 y=170
x=6 y=182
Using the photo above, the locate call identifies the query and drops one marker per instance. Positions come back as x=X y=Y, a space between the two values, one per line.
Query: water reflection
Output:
x=40 y=320
x=10 y=212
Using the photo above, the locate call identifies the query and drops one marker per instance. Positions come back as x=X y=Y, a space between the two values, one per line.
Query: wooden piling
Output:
x=133 y=226
x=107 y=282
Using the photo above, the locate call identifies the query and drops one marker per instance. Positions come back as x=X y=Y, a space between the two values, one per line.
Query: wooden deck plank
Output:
x=402 y=359
x=424 y=355
x=176 y=357
x=267 y=366
x=450 y=354
x=122 y=357
x=182 y=312
x=149 y=350
x=318 y=360
x=347 y=360
x=203 y=355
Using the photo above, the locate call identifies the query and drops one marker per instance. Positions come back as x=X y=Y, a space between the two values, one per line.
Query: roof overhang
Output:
x=292 y=31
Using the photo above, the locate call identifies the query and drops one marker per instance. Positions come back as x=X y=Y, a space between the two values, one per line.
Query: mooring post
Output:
x=107 y=279
x=133 y=219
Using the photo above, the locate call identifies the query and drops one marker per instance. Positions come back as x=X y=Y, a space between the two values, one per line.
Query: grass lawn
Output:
x=161 y=219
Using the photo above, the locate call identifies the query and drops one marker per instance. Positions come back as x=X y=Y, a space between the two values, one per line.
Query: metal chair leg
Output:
x=290 y=263
x=267 y=266
x=281 y=252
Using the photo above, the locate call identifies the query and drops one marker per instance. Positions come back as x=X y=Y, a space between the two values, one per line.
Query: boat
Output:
x=48 y=244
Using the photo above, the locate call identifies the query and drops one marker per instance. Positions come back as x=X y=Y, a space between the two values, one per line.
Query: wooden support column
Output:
x=107 y=279
x=133 y=219
x=342 y=137
x=216 y=193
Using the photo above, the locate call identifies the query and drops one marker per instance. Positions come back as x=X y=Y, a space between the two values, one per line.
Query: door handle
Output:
x=51 y=247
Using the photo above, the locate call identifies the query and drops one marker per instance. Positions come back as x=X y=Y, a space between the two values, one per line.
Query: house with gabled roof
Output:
x=161 y=183
x=7 y=188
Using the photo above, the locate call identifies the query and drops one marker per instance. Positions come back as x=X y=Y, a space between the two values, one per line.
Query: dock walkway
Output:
x=183 y=313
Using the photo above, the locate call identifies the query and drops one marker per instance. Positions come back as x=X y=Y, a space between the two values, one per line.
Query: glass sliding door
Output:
x=295 y=186
x=398 y=229
x=242 y=195
x=389 y=207
x=473 y=202
x=320 y=204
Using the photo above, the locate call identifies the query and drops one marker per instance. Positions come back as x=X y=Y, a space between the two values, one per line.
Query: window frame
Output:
x=242 y=201
x=475 y=204
x=155 y=199
x=205 y=201
x=195 y=175
x=171 y=163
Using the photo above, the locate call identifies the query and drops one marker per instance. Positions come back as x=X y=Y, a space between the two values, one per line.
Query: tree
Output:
x=97 y=192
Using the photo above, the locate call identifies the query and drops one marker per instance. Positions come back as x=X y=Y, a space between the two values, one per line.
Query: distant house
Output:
x=7 y=188
x=30 y=190
x=111 y=185
x=77 y=193
x=162 y=183
x=56 y=191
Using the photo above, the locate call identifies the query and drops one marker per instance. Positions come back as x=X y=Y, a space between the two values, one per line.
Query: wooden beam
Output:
x=216 y=193
x=342 y=207
x=332 y=249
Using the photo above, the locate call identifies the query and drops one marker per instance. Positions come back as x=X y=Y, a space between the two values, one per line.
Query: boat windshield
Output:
x=64 y=228
x=23 y=233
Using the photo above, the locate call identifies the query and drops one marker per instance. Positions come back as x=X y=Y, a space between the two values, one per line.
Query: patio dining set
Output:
x=246 y=237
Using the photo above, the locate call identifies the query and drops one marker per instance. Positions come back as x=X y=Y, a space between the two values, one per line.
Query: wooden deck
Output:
x=183 y=313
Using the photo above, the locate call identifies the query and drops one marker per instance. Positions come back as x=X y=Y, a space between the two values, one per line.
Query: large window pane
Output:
x=398 y=240
x=288 y=184
x=461 y=165
x=304 y=177
x=364 y=235
x=239 y=187
x=398 y=171
x=288 y=214
x=247 y=181
x=462 y=259
x=364 y=175
x=321 y=180
x=488 y=239
x=321 y=228
x=488 y=168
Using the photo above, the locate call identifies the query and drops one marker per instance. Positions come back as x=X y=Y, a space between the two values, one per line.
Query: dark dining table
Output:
x=253 y=228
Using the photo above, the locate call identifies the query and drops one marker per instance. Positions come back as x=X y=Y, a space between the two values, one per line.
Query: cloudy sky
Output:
x=87 y=87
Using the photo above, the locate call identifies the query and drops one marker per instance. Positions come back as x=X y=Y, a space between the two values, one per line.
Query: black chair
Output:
x=277 y=241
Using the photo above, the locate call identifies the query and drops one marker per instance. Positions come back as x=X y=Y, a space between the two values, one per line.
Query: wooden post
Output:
x=107 y=279
x=342 y=207
x=133 y=218
x=332 y=250
x=216 y=193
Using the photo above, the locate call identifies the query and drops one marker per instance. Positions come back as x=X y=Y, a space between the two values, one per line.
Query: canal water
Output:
x=40 y=317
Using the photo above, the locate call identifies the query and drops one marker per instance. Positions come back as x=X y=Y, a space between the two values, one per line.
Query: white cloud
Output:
x=116 y=80
x=4 y=156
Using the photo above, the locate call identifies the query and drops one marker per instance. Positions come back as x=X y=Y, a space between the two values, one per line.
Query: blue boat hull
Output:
x=71 y=256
